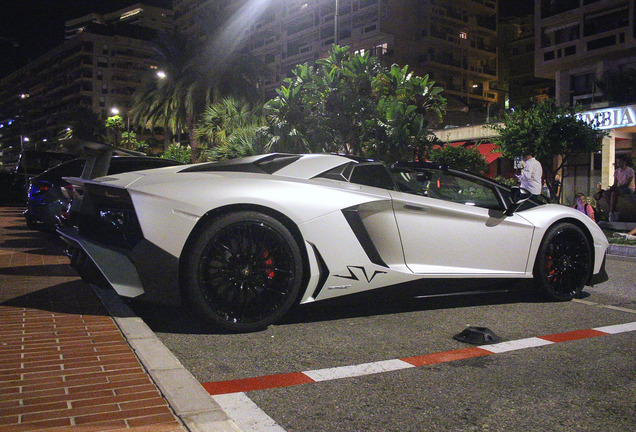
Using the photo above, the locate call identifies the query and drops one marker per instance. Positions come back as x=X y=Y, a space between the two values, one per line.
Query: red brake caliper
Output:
x=269 y=263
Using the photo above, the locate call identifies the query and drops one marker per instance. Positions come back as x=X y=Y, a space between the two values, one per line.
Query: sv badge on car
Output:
x=359 y=269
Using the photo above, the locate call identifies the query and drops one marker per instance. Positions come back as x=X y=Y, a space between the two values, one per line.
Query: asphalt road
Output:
x=578 y=385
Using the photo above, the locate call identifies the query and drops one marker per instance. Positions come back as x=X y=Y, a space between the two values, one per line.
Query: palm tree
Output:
x=174 y=102
x=80 y=124
x=232 y=128
x=194 y=79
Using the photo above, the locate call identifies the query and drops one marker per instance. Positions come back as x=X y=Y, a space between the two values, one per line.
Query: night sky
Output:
x=29 y=28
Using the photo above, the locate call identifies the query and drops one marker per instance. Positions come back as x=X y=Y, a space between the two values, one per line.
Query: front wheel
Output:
x=564 y=262
x=243 y=272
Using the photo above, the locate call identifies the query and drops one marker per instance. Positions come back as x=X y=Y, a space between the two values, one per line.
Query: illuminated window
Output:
x=463 y=35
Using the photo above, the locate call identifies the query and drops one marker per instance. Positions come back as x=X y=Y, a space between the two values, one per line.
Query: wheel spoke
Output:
x=566 y=262
x=246 y=272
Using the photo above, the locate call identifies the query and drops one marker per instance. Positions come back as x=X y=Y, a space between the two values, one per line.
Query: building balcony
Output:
x=601 y=45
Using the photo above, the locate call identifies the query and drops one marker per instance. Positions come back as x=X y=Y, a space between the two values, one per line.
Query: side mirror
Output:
x=517 y=197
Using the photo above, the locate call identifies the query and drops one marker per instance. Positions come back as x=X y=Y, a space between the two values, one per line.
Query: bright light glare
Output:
x=161 y=74
x=228 y=39
x=114 y=110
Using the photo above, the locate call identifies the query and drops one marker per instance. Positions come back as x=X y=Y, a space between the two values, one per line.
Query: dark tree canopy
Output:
x=546 y=130
x=350 y=103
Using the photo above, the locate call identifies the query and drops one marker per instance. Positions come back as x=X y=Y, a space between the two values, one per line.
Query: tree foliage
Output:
x=348 y=102
x=176 y=151
x=460 y=157
x=232 y=128
x=545 y=130
x=81 y=124
x=193 y=80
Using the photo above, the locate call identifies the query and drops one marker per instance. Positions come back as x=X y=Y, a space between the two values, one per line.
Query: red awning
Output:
x=486 y=149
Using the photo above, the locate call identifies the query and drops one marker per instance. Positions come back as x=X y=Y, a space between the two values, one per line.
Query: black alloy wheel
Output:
x=244 y=271
x=564 y=262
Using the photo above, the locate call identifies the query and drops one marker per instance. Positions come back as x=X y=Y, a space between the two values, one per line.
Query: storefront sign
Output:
x=610 y=118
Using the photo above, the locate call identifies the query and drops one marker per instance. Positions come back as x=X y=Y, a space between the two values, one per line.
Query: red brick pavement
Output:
x=63 y=362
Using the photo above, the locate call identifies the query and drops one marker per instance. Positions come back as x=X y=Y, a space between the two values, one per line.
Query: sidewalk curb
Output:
x=188 y=399
x=622 y=250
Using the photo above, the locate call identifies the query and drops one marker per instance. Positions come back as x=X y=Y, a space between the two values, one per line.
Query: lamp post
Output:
x=335 y=25
x=23 y=139
x=114 y=123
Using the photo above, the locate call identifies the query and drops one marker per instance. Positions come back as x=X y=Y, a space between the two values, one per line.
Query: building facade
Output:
x=454 y=41
x=516 y=63
x=576 y=43
x=99 y=67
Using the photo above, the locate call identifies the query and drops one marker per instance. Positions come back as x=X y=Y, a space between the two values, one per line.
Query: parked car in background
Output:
x=47 y=201
x=20 y=167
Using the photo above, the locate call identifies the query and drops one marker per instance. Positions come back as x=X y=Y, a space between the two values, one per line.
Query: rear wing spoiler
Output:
x=98 y=156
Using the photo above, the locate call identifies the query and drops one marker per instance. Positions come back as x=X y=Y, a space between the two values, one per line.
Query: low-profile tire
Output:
x=243 y=271
x=564 y=262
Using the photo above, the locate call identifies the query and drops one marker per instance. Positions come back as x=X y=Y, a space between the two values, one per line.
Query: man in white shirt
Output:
x=531 y=174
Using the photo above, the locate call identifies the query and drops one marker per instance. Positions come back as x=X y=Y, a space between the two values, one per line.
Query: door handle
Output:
x=412 y=207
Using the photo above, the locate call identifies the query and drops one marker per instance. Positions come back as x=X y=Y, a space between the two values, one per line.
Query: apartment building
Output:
x=516 y=68
x=100 y=65
x=454 y=41
x=576 y=42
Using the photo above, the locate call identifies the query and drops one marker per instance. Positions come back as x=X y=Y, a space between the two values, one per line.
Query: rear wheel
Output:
x=564 y=262
x=244 y=271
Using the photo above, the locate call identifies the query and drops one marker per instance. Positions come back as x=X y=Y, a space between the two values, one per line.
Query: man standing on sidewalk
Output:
x=530 y=178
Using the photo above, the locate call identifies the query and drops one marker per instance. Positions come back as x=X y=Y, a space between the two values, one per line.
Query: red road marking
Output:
x=258 y=383
x=572 y=336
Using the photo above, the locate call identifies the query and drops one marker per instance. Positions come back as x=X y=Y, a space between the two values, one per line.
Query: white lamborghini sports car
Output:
x=244 y=240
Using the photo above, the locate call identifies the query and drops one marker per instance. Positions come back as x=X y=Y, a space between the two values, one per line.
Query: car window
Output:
x=372 y=174
x=67 y=169
x=447 y=186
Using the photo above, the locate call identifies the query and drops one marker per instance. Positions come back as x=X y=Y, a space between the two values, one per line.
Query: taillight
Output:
x=38 y=188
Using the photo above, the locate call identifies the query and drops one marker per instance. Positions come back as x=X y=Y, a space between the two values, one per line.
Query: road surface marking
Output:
x=307 y=377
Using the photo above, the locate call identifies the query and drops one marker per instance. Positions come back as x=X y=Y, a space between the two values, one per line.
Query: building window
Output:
x=601 y=42
x=369 y=28
x=554 y=7
x=582 y=84
x=606 y=22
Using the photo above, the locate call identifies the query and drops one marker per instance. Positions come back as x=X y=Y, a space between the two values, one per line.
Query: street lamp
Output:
x=115 y=111
x=23 y=139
